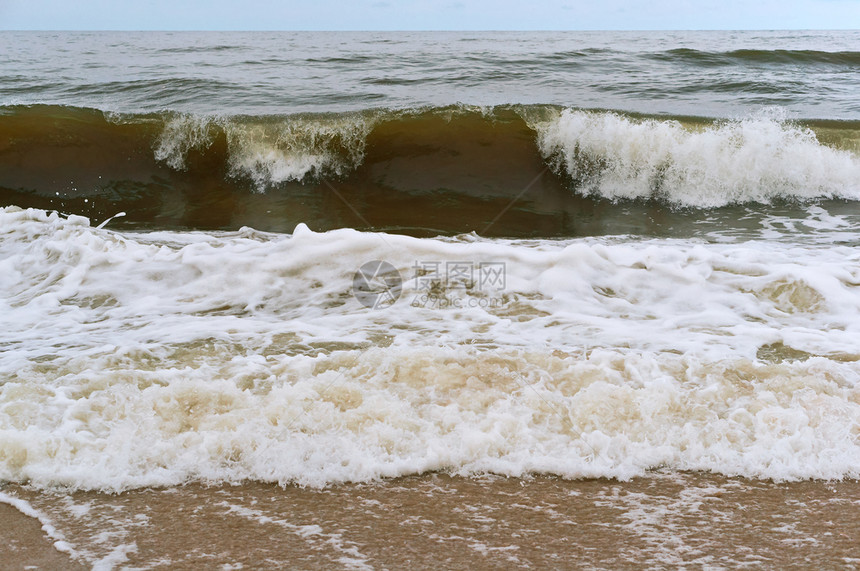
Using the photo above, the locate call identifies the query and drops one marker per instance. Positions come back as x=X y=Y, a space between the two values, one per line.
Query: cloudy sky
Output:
x=428 y=15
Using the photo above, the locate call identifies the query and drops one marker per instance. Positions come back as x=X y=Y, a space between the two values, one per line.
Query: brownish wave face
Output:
x=422 y=172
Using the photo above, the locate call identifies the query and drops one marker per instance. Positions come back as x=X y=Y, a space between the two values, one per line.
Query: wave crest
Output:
x=182 y=133
x=757 y=159
x=296 y=148
x=272 y=150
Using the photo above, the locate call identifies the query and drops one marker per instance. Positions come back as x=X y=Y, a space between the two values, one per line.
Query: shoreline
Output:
x=436 y=520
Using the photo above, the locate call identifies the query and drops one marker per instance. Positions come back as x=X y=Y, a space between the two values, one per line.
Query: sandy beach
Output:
x=437 y=521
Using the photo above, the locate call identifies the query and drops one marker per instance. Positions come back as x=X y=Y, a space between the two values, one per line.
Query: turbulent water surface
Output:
x=609 y=254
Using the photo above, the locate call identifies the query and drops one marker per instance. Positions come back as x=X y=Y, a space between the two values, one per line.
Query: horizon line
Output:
x=407 y=30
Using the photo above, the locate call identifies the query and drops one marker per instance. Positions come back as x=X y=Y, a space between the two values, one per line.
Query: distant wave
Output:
x=734 y=57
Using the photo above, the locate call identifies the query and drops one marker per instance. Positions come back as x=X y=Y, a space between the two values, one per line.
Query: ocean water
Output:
x=324 y=258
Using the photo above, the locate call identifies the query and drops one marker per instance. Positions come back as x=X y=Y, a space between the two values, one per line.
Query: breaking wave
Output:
x=757 y=159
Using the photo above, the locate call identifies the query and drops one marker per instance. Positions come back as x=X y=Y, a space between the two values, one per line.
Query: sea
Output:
x=510 y=299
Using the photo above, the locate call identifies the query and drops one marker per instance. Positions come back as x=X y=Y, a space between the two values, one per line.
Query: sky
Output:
x=428 y=15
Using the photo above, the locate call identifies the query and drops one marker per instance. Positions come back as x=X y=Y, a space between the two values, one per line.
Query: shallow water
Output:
x=433 y=521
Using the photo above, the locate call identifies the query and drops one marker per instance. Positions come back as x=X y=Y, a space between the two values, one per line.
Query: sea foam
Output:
x=141 y=359
x=272 y=150
x=756 y=159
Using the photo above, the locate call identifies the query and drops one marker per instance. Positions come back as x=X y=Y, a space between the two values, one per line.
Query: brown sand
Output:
x=25 y=545
x=437 y=521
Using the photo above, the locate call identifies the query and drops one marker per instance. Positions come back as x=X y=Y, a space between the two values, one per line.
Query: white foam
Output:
x=295 y=148
x=117 y=556
x=756 y=159
x=154 y=359
x=59 y=541
x=349 y=555
x=182 y=133
x=270 y=151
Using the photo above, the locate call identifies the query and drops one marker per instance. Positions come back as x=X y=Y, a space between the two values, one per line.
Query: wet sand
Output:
x=437 y=521
x=25 y=545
